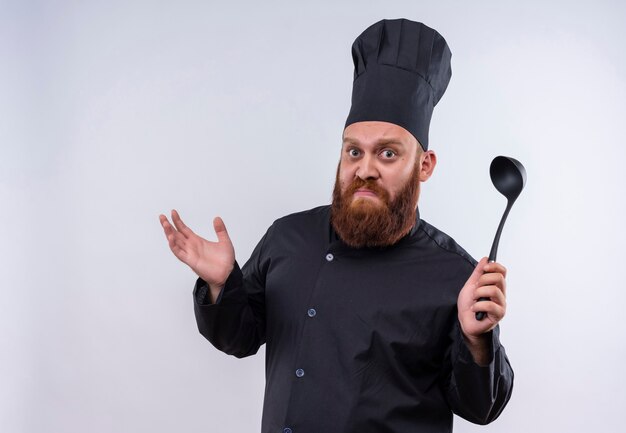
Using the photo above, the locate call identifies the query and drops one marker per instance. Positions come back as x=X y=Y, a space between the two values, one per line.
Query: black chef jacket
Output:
x=358 y=340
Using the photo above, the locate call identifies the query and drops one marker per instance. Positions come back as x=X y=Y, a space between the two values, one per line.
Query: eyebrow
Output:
x=381 y=142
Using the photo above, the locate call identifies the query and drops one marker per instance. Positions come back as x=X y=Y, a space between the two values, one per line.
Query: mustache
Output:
x=370 y=184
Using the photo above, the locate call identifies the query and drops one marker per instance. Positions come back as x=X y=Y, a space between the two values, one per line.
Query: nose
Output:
x=367 y=168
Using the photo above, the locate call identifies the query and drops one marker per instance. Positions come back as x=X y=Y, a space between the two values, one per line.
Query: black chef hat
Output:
x=401 y=70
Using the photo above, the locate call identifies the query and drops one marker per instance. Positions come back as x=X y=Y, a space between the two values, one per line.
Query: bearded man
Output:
x=367 y=311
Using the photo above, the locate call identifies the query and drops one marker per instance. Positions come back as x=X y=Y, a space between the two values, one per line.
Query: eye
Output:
x=354 y=152
x=388 y=154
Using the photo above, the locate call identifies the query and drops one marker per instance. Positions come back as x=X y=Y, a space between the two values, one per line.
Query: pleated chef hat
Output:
x=401 y=70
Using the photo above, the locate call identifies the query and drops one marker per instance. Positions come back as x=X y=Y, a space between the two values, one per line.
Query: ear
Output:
x=428 y=161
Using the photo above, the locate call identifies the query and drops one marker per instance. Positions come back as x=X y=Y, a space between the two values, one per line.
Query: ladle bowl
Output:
x=508 y=176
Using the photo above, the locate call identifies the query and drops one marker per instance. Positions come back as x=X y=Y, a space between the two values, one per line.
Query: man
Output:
x=368 y=312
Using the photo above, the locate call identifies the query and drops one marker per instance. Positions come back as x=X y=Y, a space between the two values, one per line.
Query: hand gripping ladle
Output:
x=509 y=177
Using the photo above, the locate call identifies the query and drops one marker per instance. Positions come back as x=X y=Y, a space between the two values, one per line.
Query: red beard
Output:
x=362 y=222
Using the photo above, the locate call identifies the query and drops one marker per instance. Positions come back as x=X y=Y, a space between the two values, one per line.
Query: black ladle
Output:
x=509 y=177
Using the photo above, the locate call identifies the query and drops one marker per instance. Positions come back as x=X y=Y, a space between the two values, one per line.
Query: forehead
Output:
x=372 y=132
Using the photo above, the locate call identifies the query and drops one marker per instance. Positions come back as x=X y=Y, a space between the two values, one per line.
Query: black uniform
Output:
x=358 y=340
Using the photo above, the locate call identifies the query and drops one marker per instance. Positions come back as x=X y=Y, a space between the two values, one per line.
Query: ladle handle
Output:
x=496 y=240
x=494 y=251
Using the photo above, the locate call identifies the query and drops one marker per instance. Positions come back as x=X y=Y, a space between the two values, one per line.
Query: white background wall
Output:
x=113 y=112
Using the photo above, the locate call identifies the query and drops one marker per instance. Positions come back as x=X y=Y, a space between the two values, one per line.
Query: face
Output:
x=378 y=151
x=377 y=185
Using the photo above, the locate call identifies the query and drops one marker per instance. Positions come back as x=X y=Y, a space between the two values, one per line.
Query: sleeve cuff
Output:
x=462 y=354
x=201 y=289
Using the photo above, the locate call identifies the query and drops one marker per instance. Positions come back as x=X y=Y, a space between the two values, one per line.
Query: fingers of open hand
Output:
x=178 y=243
x=170 y=231
x=175 y=239
x=167 y=227
x=180 y=225
x=220 y=230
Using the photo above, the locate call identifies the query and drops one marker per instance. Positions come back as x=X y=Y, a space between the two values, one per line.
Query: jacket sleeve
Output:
x=478 y=393
x=235 y=323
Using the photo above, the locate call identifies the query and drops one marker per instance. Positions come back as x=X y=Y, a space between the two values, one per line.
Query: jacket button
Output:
x=311 y=312
x=329 y=257
x=299 y=372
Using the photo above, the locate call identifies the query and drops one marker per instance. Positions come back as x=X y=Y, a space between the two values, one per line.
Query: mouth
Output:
x=364 y=192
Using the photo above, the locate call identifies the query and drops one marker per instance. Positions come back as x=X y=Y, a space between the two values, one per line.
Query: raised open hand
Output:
x=211 y=261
